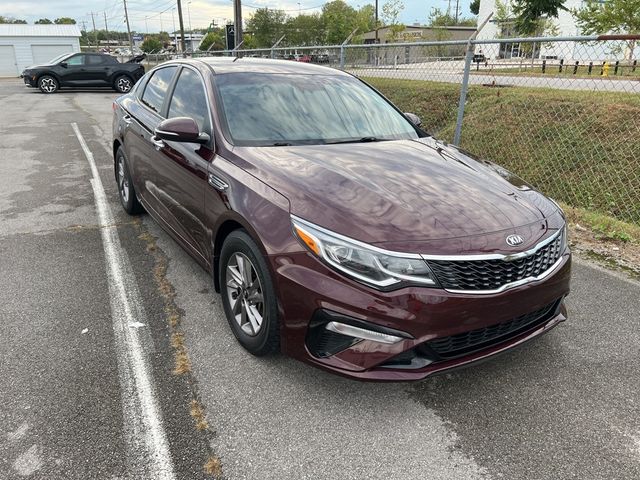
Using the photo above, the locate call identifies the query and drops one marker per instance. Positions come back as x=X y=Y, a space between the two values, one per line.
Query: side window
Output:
x=95 y=60
x=190 y=100
x=156 y=89
x=75 y=60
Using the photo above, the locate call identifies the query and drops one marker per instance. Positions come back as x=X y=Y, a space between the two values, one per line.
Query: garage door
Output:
x=8 y=67
x=44 y=53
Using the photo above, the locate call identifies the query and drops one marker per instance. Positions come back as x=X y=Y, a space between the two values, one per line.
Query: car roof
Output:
x=221 y=65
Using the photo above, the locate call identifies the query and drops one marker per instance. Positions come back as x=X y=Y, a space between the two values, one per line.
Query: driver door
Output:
x=181 y=168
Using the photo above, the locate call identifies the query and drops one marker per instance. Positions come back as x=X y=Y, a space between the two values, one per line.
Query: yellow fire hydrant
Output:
x=605 y=69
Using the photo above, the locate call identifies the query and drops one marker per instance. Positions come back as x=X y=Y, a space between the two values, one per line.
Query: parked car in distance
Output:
x=320 y=58
x=335 y=229
x=84 y=70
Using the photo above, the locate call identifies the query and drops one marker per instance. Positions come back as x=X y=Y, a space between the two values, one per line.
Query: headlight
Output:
x=376 y=267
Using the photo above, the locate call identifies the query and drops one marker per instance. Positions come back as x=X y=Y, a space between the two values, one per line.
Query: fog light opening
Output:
x=364 y=334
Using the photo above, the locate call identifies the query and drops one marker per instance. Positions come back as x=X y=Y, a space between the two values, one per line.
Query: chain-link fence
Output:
x=563 y=113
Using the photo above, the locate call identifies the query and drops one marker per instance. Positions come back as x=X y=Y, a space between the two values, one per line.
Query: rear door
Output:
x=96 y=70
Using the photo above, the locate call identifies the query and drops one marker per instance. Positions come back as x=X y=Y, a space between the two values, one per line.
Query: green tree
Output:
x=151 y=44
x=267 y=26
x=64 y=21
x=530 y=14
x=11 y=20
x=613 y=16
x=43 y=21
x=214 y=41
x=391 y=11
x=305 y=30
x=440 y=18
x=339 y=20
x=475 y=7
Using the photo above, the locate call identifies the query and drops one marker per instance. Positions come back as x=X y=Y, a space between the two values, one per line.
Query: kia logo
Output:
x=514 y=240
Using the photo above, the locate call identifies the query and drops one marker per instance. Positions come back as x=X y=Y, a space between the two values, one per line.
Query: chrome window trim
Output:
x=517 y=283
x=496 y=256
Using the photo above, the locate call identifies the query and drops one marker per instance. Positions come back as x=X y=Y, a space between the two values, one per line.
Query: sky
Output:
x=152 y=15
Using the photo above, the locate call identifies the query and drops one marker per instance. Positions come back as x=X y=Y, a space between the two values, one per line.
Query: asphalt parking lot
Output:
x=88 y=392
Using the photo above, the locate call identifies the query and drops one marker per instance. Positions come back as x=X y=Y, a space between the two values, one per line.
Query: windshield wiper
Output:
x=281 y=144
x=358 y=140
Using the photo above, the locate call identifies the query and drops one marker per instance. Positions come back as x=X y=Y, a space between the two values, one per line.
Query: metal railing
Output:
x=562 y=112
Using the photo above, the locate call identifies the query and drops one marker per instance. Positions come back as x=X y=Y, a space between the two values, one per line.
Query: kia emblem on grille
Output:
x=514 y=240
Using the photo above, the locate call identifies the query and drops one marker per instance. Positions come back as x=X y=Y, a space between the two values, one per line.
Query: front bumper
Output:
x=421 y=315
x=29 y=80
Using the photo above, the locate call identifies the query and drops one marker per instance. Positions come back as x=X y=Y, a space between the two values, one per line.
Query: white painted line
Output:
x=148 y=449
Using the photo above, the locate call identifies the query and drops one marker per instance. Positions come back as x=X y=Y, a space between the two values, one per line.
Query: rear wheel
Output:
x=128 y=197
x=48 y=84
x=123 y=84
x=248 y=295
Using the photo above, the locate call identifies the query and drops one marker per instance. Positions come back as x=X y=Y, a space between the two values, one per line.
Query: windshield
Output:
x=282 y=109
x=58 y=58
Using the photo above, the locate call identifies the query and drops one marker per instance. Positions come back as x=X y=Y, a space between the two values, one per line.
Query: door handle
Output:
x=157 y=143
x=127 y=119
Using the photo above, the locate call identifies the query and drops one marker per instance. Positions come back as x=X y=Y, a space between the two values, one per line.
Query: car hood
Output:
x=42 y=65
x=397 y=191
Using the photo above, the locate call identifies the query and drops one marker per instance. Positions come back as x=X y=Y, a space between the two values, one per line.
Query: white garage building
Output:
x=25 y=45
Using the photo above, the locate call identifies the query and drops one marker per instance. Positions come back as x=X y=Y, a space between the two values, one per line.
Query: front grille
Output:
x=477 y=275
x=464 y=343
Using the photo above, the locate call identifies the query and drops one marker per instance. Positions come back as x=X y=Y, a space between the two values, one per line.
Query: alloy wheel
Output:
x=123 y=181
x=245 y=294
x=124 y=85
x=48 y=85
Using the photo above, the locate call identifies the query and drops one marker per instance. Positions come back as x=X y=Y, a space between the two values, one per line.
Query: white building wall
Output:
x=23 y=51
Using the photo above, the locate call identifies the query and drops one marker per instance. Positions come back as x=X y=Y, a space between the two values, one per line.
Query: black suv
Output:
x=84 y=70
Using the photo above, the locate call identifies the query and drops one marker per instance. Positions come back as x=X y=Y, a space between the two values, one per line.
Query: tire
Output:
x=123 y=84
x=48 y=84
x=250 y=299
x=126 y=192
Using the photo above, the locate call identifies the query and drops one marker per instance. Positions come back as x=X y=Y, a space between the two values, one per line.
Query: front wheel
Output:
x=248 y=295
x=123 y=84
x=48 y=84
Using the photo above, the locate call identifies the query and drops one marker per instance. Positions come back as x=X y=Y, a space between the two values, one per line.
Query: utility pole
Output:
x=237 y=21
x=175 y=37
x=126 y=16
x=106 y=29
x=95 y=33
x=84 y=28
x=457 y=10
x=181 y=26
x=376 y=27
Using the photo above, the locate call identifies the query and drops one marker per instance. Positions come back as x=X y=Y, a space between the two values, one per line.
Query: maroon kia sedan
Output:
x=335 y=229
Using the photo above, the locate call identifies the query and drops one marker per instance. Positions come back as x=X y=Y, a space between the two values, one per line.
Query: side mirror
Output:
x=413 y=118
x=63 y=64
x=181 y=129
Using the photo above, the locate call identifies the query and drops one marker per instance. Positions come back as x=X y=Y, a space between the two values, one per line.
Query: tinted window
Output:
x=189 y=99
x=95 y=60
x=75 y=60
x=157 y=88
x=263 y=109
